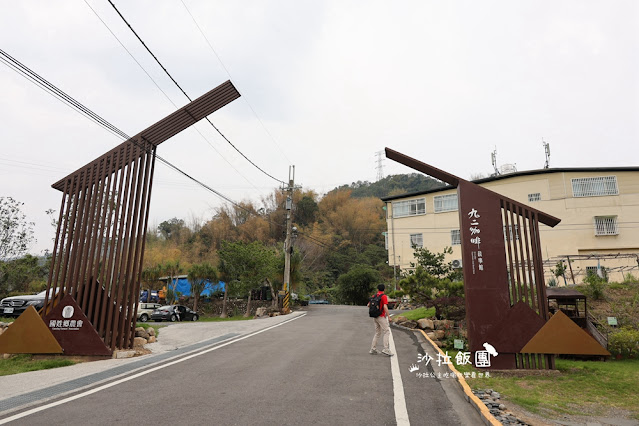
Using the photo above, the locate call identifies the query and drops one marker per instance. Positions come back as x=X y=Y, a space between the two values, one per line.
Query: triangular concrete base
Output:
x=561 y=336
x=29 y=335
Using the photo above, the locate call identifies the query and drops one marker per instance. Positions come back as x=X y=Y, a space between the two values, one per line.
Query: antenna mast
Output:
x=547 y=151
x=493 y=158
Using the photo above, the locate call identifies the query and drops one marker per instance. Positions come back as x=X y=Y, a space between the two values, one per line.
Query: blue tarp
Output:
x=184 y=287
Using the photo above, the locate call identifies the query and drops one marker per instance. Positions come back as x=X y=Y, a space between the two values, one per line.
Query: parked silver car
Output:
x=145 y=310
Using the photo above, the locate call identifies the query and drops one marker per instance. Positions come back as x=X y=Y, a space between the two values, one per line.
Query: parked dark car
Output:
x=174 y=313
x=16 y=305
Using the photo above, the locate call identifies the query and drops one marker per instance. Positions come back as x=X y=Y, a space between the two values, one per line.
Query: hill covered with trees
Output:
x=392 y=185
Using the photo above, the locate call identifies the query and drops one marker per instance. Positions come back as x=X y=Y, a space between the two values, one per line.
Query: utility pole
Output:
x=288 y=248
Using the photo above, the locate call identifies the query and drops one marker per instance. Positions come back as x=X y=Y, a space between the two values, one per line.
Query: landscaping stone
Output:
x=425 y=324
x=150 y=331
x=152 y=339
x=490 y=398
x=139 y=341
x=439 y=334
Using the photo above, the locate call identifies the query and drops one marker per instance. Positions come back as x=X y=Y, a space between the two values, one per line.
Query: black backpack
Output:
x=374 y=305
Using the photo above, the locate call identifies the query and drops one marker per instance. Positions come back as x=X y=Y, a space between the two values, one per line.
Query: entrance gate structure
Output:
x=99 y=246
x=503 y=270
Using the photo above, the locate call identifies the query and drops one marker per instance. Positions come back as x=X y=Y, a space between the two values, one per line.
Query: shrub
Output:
x=630 y=279
x=624 y=342
x=595 y=285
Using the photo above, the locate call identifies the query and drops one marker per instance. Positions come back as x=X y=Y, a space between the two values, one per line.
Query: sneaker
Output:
x=373 y=352
x=387 y=352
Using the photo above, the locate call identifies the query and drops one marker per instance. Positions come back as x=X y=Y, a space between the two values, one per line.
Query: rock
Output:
x=443 y=324
x=140 y=332
x=399 y=319
x=439 y=334
x=495 y=395
x=150 y=331
x=425 y=324
x=139 y=341
x=6 y=356
x=438 y=343
x=261 y=312
x=502 y=407
x=431 y=335
x=152 y=339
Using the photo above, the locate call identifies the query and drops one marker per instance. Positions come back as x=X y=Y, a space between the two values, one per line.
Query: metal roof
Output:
x=563 y=293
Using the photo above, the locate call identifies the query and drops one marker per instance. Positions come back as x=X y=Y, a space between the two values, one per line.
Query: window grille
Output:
x=606 y=225
x=455 y=237
x=409 y=207
x=594 y=186
x=417 y=240
x=534 y=197
x=445 y=203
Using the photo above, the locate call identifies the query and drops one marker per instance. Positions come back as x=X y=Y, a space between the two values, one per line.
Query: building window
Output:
x=455 y=237
x=409 y=207
x=445 y=203
x=534 y=197
x=385 y=234
x=606 y=225
x=594 y=186
x=417 y=240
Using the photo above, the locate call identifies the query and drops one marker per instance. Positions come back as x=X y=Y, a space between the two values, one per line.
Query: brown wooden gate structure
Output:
x=99 y=246
x=503 y=269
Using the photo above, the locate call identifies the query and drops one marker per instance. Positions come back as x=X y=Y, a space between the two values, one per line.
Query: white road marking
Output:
x=135 y=376
x=401 y=413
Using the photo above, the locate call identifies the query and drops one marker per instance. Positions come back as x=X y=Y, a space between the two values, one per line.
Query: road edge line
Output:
x=399 y=398
x=135 y=376
x=485 y=414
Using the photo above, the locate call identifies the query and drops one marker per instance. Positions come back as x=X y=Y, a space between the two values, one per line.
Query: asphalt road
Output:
x=313 y=370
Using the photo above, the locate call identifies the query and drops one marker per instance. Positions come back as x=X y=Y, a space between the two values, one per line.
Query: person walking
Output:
x=380 y=315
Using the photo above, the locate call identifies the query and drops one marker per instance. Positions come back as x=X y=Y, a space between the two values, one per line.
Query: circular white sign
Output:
x=67 y=312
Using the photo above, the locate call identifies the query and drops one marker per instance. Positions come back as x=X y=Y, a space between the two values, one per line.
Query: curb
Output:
x=486 y=416
x=483 y=411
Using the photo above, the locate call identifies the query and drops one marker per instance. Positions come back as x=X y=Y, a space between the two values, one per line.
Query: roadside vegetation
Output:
x=419 y=313
x=587 y=388
x=23 y=363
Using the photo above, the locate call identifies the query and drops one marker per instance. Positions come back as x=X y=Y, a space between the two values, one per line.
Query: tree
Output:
x=245 y=266
x=172 y=269
x=16 y=234
x=27 y=274
x=356 y=285
x=199 y=274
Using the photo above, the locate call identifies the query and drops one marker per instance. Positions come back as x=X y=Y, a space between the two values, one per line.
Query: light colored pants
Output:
x=381 y=327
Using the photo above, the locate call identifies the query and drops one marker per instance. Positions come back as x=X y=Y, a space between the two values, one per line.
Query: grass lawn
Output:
x=419 y=313
x=23 y=363
x=587 y=388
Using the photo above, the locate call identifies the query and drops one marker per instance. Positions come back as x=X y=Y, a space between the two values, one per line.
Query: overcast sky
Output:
x=325 y=85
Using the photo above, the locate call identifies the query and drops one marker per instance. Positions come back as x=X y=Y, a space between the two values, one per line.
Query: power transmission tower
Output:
x=380 y=166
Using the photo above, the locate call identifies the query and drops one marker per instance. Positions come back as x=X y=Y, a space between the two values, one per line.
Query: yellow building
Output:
x=598 y=208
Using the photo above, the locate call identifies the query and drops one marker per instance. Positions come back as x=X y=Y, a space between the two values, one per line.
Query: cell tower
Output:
x=547 y=151
x=493 y=158
x=380 y=166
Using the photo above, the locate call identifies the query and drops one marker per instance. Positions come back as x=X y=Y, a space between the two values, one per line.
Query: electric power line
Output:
x=188 y=97
x=54 y=91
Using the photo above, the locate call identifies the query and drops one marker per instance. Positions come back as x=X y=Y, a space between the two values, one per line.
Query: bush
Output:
x=630 y=279
x=624 y=342
x=551 y=282
x=595 y=285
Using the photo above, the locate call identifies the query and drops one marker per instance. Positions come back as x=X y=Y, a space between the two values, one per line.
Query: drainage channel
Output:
x=22 y=401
